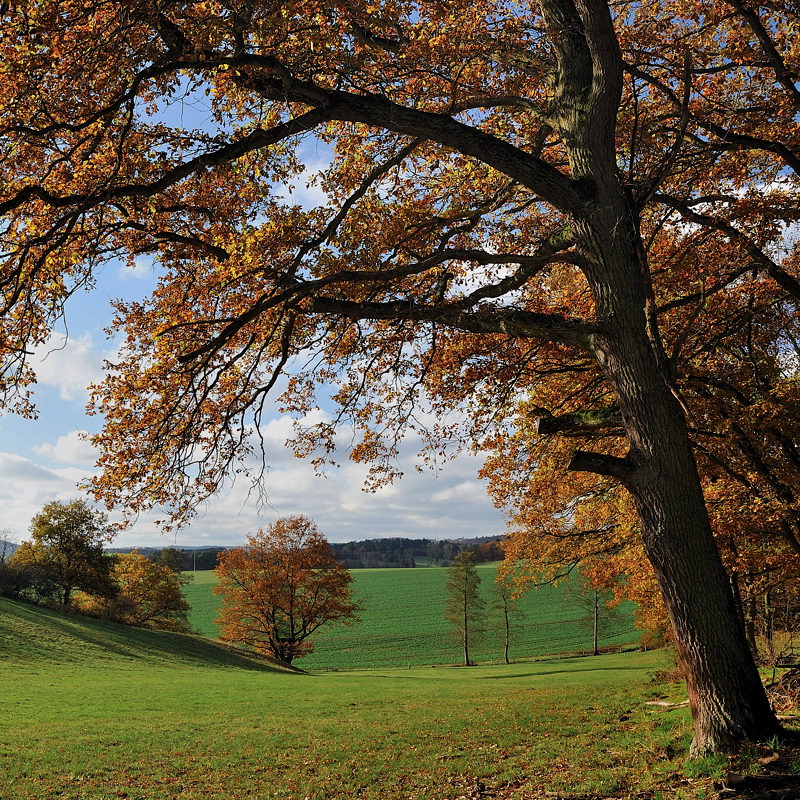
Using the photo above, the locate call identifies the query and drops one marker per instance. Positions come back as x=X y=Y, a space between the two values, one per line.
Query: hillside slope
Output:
x=94 y=711
x=30 y=634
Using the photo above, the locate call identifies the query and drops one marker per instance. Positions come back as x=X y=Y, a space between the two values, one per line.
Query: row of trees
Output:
x=286 y=583
x=370 y=553
x=400 y=552
x=466 y=606
x=277 y=591
x=64 y=564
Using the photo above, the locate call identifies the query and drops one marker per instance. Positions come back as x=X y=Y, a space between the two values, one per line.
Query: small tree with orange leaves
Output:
x=281 y=587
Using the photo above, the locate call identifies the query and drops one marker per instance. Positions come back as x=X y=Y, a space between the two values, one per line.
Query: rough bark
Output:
x=725 y=692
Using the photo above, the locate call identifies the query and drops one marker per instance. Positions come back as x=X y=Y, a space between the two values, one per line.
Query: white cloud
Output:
x=26 y=486
x=70 y=448
x=305 y=189
x=68 y=364
x=463 y=491
x=141 y=270
x=449 y=503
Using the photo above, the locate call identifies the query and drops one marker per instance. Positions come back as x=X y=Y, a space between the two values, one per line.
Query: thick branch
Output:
x=298 y=289
x=523 y=324
x=581 y=423
x=601 y=464
x=607 y=69
x=275 y=83
x=696 y=297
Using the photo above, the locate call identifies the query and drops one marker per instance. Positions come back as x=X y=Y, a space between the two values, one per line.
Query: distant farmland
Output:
x=403 y=622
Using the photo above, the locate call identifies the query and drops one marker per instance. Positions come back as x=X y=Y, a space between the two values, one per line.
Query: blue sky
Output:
x=43 y=460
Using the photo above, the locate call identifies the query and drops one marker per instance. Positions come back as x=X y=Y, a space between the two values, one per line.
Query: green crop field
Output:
x=98 y=711
x=403 y=622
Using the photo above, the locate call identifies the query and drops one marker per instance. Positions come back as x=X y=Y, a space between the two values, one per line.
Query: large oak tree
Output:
x=516 y=193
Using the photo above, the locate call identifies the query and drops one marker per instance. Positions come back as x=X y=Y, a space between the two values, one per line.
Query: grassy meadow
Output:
x=95 y=711
x=403 y=622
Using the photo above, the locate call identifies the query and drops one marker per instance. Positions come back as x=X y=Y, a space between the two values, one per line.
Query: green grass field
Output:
x=403 y=622
x=96 y=711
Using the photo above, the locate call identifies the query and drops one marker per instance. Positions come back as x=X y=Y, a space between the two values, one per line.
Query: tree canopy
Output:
x=569 y=211
x=146 y=594
x=67 y=545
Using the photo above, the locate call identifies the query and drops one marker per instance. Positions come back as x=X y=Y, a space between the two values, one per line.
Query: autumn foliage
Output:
x=65 y=553
x=146 y=595
x=281 y=588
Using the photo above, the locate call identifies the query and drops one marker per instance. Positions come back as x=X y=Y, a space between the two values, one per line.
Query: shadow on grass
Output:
x=569 y=668
x=32 y=632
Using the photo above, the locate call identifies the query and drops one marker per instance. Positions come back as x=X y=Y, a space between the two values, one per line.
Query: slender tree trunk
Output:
x=507 y=640
x=466 y=630
x=746 y=620
x=737 y=595
x=750 y=626
x=769 y=625
x=596 y=650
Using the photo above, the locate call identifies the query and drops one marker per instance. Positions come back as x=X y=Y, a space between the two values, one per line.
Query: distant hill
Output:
x=366 y=554
x=181 y=559
x=400 y=552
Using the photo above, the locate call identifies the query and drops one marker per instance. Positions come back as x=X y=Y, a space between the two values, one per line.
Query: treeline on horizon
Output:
x=367 y=554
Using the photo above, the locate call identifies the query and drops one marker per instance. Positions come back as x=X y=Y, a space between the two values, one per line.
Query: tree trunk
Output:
x=733 y=577
x=507 y=640
x=727 y=698
x=768 y=623
x=466 y=630
x=725 y=692
x=596 y=650
x=750 y=624
x=747 y=621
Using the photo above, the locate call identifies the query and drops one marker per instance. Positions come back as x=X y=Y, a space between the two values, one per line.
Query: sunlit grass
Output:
x=113 y=712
